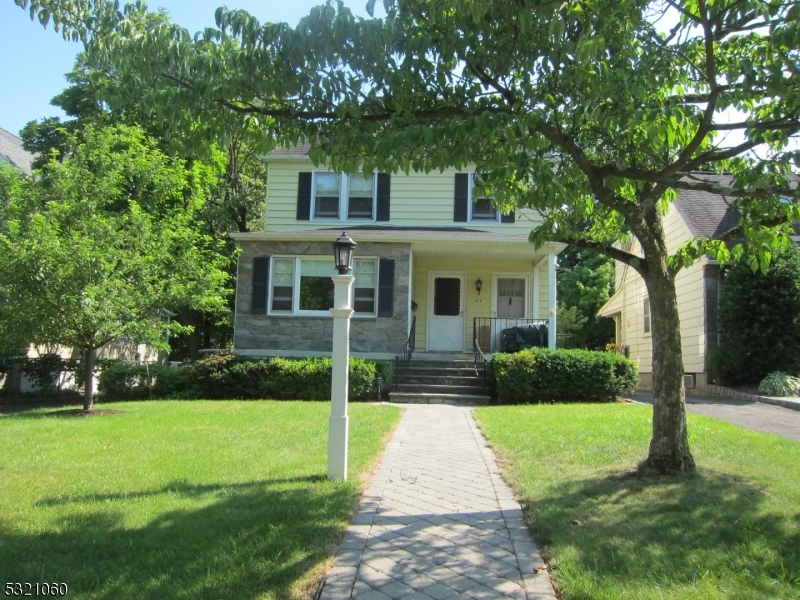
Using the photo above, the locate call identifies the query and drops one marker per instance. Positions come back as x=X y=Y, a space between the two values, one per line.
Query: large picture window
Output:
x=339 y=196
x=303 y=286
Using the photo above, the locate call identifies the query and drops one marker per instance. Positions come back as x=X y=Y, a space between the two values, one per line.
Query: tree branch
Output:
x=634 y=261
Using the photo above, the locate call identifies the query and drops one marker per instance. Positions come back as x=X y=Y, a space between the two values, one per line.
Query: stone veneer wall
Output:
x=294 y=334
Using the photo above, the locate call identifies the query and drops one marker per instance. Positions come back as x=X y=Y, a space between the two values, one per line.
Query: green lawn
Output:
x=179 y=499
x=732 y=530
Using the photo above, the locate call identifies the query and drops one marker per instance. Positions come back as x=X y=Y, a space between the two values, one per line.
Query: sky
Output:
x=33 y=59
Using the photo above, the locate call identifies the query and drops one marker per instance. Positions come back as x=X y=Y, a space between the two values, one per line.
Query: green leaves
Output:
x=85 y=263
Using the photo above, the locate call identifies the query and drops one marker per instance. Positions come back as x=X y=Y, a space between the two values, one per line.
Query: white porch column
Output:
x=551 y=300
x=339 y=421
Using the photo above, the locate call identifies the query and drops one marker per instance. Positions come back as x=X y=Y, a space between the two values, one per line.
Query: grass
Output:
x=179 y=499
x=731 y=530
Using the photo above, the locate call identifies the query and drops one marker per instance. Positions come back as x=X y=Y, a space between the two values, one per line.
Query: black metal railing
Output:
x=487 y=332
x=402 y=358
x=481 y=363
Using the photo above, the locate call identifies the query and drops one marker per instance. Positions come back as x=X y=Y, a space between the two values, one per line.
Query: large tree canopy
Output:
x=595 y=112
x=96 y=247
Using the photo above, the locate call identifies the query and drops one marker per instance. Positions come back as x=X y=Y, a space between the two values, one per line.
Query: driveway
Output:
x=781 y=421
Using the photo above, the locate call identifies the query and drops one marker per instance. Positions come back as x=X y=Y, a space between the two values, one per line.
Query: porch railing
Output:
x=481 y=363
x=487 y=332
x=402 y=358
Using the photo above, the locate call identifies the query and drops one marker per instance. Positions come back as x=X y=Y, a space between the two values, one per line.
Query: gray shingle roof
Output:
x=707 y=215
x=299 y=150
x=11 y=151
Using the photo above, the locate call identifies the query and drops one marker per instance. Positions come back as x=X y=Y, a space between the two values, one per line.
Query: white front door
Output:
x=446 y=311
x=509 y=303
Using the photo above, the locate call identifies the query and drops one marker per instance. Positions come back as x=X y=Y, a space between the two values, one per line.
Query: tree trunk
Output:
x=88 y=382
x=669 y=447
x=187 y=317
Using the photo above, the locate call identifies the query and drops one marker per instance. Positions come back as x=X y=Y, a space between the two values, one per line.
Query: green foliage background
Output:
x=759 y=319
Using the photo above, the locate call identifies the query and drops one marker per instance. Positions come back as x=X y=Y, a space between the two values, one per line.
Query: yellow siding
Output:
x=691 y=305
x=476 y=305
x=417 y=199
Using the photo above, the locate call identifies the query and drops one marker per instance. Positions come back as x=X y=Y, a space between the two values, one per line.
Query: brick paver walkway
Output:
x=437 y=521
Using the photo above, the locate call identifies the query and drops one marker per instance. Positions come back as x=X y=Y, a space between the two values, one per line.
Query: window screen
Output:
x=446 y=297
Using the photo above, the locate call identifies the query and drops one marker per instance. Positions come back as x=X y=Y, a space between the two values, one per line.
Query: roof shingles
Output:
x=11 y=151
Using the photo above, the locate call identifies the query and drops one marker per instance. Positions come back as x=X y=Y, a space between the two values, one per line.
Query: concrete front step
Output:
x=439 y=388
x=443 y=371
x=441 y=364
x=442 y=379
x=424 y=398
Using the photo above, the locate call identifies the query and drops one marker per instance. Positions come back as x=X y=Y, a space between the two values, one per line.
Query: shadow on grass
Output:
x=670 y=532
x=178 y=487
x=235 y=541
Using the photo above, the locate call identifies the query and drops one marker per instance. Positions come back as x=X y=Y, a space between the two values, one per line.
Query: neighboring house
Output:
x=12 y=152
x=693 y=215
x=427 y=248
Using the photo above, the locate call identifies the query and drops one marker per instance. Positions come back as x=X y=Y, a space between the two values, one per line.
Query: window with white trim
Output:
x=338 y=196
x=303 y=286
x=646 y=314
x=481 y=207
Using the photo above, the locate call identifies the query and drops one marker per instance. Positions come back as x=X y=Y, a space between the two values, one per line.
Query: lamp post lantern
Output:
x=342 y=311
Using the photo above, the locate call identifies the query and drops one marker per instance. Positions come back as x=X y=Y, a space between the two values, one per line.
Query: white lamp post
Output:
x=341 y=311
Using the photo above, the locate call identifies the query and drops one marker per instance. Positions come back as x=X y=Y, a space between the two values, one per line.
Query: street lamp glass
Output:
x=343 y=253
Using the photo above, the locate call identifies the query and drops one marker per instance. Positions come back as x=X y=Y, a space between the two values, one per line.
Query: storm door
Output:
x=509 y=305
x=446 y=312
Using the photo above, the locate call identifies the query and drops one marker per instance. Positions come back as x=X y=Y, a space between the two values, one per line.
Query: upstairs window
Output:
x=361 y=196
x=338 y=196
x=327 y=188
x=481 y=207
x=646 y=315
x=470 y=204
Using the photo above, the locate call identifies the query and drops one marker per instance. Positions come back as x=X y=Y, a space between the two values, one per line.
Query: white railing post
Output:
x=551 y=300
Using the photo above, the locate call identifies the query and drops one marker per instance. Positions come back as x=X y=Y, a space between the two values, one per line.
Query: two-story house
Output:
x=430 y=252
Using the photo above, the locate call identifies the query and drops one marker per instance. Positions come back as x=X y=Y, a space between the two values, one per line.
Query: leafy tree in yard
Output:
x=235 y=176
x=95 y=247
x=759 y=319
x=583 y=110
x=585 y=283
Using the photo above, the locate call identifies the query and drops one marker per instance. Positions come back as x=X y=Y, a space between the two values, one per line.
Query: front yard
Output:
x=732 y=530
x=178 y=499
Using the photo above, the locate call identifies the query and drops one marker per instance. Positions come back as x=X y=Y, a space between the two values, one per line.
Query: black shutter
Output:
x=509 y=218
x=386 y=287
x=461 y=198
x=260 y=283
x=384 y=184
x=304 y=197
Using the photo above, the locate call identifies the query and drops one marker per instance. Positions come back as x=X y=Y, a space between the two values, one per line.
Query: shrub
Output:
x=780 y=384
x=542 y=375
x=230 y=376
x=124 y=381
x=759 y=319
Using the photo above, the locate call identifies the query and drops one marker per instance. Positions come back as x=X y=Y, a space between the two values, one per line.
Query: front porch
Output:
x=445 y=278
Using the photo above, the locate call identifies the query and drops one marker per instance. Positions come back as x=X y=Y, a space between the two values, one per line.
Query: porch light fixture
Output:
x=478 y=286
x=343 y=253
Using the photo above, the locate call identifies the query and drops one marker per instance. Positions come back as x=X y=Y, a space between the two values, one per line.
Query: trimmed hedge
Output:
x=230 y=376
x=543 y=375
